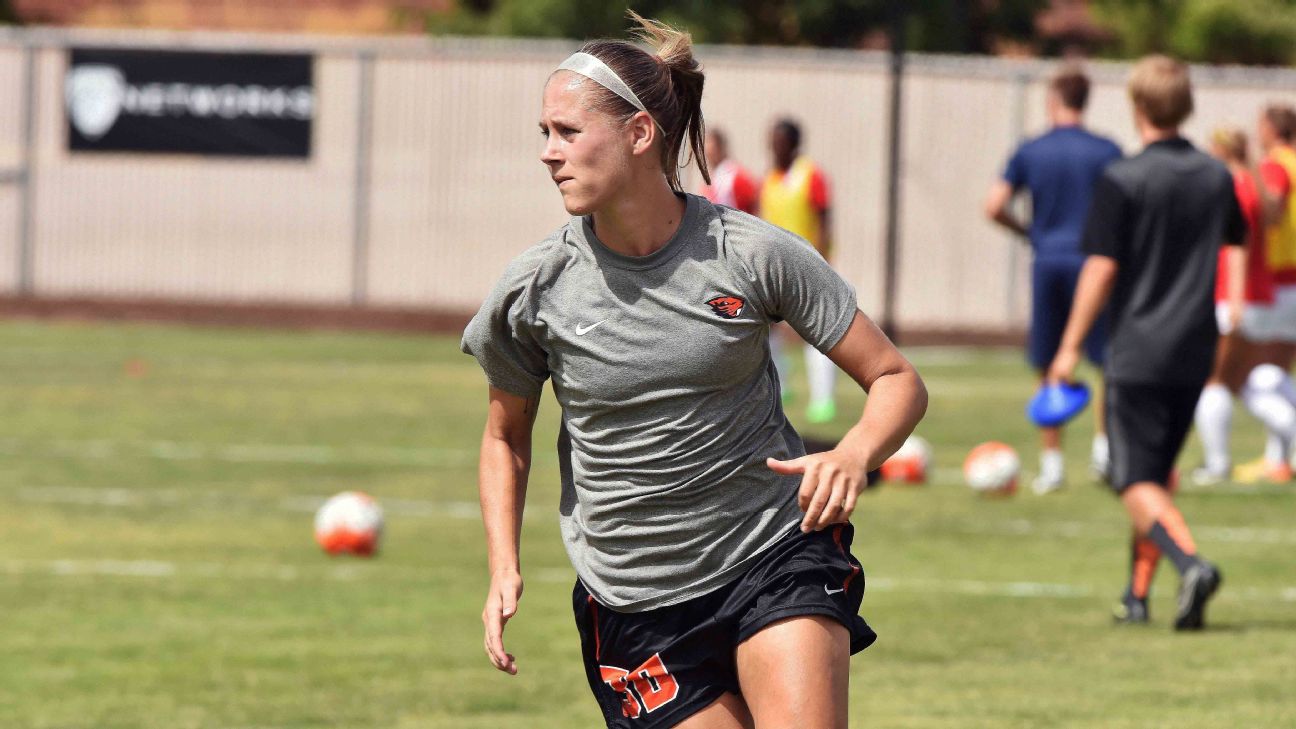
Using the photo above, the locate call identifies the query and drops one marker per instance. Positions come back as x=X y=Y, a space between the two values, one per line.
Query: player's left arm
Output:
x=746 y=194
x=1236 y=283
x=1236 y=233
x=821 y=200
x=897 y=399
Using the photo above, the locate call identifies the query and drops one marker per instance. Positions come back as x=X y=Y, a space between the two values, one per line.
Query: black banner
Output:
x=242 y=104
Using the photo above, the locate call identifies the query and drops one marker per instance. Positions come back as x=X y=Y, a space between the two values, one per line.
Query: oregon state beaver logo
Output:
x=728 y=307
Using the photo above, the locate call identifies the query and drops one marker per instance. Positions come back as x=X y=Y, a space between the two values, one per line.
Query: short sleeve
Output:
x=745 y=192
x=1235 y=225
x=799 y=287
x=1015 y=173
x=1275 y=178
x=502 y=335
x=819 y=196
x=1113 y=152
x=1106 y=227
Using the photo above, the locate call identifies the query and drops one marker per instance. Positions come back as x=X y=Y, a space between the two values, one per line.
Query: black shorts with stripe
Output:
x=1146 y=427
x=655 y=668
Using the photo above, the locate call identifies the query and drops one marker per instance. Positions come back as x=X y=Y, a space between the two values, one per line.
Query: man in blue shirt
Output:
x=1059 y=169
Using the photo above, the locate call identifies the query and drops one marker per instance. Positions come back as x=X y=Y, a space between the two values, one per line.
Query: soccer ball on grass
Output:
x=992 y=468
x=909 y=464
x=349 y=523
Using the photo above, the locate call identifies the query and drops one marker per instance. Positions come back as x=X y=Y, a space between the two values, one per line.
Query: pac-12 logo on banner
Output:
x=247 y=104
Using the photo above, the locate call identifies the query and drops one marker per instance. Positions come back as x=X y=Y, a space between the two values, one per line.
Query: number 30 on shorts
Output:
x=648 y=687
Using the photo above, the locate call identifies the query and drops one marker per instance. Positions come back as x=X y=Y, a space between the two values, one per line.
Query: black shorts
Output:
x=1146 y=427
x=656 y=668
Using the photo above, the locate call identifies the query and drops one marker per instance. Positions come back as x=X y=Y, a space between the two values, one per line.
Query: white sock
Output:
x=1275 y=449
x=1263 y=398
x=1214 y=420
x=1051 y=465
x=821 y=373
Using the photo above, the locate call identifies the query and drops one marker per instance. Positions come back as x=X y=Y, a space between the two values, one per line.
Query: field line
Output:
x=242 y=452
x=166 y=570
x=117 y=497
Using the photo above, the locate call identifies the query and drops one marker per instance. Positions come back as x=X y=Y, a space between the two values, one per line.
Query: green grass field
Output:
x=157 y=567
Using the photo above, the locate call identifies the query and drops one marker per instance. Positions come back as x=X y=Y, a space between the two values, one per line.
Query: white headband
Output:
x=592 y=68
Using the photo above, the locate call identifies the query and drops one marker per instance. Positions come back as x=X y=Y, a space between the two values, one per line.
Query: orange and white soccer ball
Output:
x=909 y=464
x=349 y=523
x=992 y=468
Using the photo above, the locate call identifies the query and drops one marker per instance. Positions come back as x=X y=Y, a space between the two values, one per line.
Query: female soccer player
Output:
x=715 y=584
x=1244 y=296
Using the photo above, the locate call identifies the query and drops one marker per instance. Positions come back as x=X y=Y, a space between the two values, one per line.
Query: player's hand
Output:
x=1063 y=367
x=501 y=604
x=830 y=484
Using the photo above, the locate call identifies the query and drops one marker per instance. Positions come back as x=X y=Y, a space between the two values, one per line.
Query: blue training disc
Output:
x=1053 y=405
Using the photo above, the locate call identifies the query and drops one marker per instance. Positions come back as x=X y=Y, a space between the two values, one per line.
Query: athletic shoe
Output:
x=822 y=411
x=1204 y=476
x=1262 y=470
x=1044 y=484
x=1198 y=585
x=1130 y=611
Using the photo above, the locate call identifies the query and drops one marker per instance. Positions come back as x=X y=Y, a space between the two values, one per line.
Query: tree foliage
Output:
x=1210 y=31
x=968 y=26
x=7 y=14
x=1214 y=31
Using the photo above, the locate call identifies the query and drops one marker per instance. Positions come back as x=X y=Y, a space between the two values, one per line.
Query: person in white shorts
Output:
x=1244 y=295
x=1275 y=131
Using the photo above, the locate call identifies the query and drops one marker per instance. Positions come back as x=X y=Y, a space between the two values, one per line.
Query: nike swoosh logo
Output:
x=582 y=331
x=834 y=592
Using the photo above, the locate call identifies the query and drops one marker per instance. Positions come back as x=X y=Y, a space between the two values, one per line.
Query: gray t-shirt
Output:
x=670 y=400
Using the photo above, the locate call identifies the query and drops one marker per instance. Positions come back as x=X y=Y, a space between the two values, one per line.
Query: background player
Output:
x=795 y=197
x=731 y=184
x=1275 y=130
x=1152 y=238
x=1059 y=169
x=1244 y=313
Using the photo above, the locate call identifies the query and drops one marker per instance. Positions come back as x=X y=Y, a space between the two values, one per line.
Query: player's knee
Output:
x=1266 y=378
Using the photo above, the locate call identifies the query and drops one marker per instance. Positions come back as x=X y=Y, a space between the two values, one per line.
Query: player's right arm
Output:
x=997 y=208
x=1093 y=289
x=1103 y=242
x=504 y=467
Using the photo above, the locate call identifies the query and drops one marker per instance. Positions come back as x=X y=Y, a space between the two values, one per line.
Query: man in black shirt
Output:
x=1152 y=239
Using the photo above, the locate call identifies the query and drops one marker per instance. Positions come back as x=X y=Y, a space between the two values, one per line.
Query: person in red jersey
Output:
x=1244 y=296
x=731 y=184
x=1275 y=131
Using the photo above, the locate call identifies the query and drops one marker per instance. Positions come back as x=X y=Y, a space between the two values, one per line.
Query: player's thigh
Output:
x=727 y=712
x=795 y=673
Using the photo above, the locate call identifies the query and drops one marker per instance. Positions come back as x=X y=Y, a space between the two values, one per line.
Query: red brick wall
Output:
x=328 y=16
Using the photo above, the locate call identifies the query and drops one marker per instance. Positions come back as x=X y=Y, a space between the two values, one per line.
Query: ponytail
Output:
x=669 y=81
